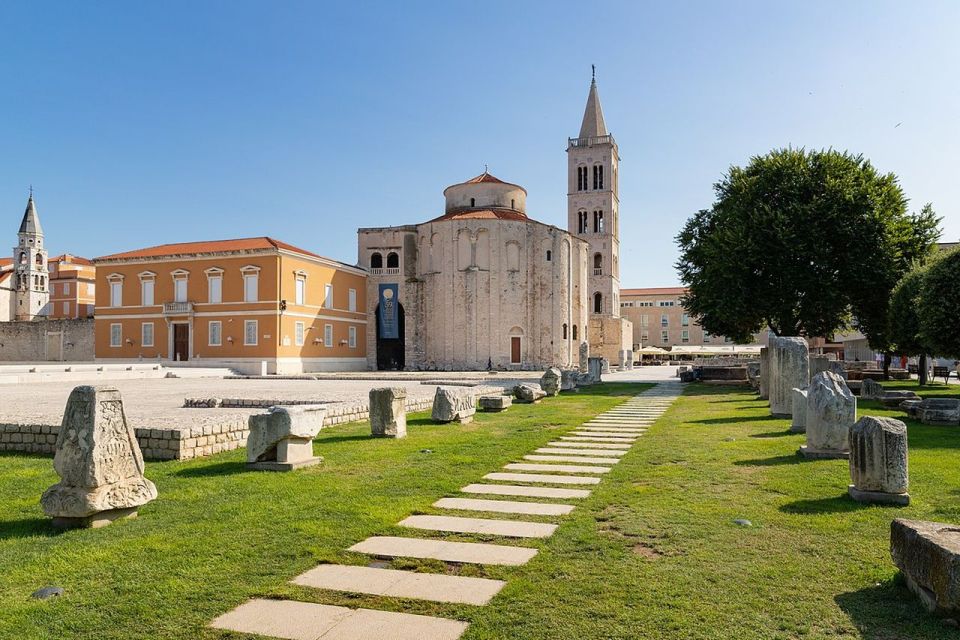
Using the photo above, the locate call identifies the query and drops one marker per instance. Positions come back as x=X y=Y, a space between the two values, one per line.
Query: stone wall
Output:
x=205 y=437
x=47 y=340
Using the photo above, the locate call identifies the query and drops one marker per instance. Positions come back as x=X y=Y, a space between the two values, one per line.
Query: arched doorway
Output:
x=390 y=351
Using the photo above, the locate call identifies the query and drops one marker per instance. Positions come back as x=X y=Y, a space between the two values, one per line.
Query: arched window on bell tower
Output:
x=598 y=302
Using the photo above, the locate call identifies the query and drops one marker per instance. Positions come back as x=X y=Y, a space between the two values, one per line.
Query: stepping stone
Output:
x=294 y=620
x=591 y=445
x=579 y=452
x=609 y=434
x=472 y=552
x=605 y=439
x=505 y=506
x=524 y=491
x=546 y=479
x=401 y=584
x=590 y=427
x=453 y=524
x=558 y=468
x=583 y=459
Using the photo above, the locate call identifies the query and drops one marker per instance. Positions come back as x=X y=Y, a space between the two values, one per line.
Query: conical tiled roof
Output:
x=31 y=221
x=593 y=125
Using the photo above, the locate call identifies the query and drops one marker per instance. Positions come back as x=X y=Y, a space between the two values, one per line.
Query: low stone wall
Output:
x=215 y=435
x=46 y=340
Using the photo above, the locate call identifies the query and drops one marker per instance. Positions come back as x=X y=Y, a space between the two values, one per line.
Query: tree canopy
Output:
x=940 y=305
x=798 y=241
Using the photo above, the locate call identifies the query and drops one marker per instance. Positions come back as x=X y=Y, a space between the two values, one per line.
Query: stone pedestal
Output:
x=764 y=383
x=878 y=461
x=454 y=404
x=282 y=438
x=604 y=365
x=388 y=412
x=550 y=381
x=831 y=411
x=928 y=556
x=584 y=357
x=799 y=423
x=99 y=463
x=870 y=389
x=495 y=403
x=595 y=369
x=940 y=411
x=568 y=379
x=528 y=393
x=788 y=366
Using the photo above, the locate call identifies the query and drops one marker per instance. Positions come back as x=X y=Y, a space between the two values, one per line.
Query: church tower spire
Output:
x=593 y=125
x=31 y=277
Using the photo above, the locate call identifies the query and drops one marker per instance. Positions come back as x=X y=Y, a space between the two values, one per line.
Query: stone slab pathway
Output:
x=401 y=584
x=294 y=620
x=454 y=524
x=601 y=441
x=469 y=552
x=525 y=491
x=504 y=506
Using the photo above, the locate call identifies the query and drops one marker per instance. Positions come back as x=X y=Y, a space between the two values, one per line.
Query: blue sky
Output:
x=145 y=123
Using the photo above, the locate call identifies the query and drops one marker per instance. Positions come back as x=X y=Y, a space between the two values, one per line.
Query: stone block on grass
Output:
x=878 y=461
x=282 y=438
x=928 y=556
x=550 y=381
x=528 y=393
x=454 y=404
x=388 y=412
x=495 y=403
x=831 y=411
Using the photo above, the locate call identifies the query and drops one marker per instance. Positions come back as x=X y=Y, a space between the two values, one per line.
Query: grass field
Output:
x=652 y=553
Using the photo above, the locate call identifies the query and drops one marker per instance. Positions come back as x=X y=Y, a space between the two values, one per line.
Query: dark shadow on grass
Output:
x=214 y=470
x=732 y=420
x=890 y=610
x=773 y=434
x=837 y=504
x=28 y=528
x=336 y=439
x=769 y=462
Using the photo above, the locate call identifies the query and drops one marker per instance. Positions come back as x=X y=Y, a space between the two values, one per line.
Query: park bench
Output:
x=942 y=372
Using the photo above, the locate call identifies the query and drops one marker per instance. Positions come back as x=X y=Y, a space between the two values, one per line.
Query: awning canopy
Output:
x=651 y=351
x=718 y=350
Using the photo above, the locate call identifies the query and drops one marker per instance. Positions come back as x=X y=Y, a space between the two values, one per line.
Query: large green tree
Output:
x=798 y=241
x=904 y=318
x=940 y=305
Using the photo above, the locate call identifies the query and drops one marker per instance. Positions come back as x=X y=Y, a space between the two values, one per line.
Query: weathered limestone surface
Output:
x=870 y=389
x=764 y=383
x=831 y=411
x=753 y=375
x=98 y=461
x=584 y=357
x=824 y=363
x=528 y=392
x=550 y=381
x=282 y=438
x=940 y=411
x=912 y=408
x=799 y=424
x=454 y=403
x=604 y=365
x=568 y=379
x=878 y=460
x=629 y=359
x=595 y=369
x=928 y=555
x=896 y=398
x=388 y=412
x=788 y=365
x=495 y=403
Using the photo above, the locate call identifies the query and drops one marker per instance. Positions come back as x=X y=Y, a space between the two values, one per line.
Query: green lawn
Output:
x=652 y=553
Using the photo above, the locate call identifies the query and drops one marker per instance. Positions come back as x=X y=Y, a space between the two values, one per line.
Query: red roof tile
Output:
x=485 y=177
x=652 y=291
x=484 y=214
x=73 y=259
x=212 y=246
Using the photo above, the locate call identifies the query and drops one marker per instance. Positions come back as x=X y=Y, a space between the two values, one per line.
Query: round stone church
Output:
x=481 y=286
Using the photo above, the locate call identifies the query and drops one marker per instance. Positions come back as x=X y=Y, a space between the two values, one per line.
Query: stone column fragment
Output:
x=831 y=411
x=788 y=366
x=799 y=424
x=878 y=461
x=388 y=412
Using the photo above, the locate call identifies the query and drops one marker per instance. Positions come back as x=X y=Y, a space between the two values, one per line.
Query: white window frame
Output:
x=66 y=288
x=116 y=334
x=328 y=296
x=214 y=274
x=143 y=335
x=352 y=300
x=115 y=280
x=300 y=290
x=66 y=307
x=219 y=325
x=251 y=272
x=352 y=337
x=246 y=332
x=147 y=278
x=328 y=335
x=299 y=333
x=685 y=336
x=664 y=337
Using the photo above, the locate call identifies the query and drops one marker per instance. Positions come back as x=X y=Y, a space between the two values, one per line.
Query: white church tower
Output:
x=593 y=214
x=31 y=278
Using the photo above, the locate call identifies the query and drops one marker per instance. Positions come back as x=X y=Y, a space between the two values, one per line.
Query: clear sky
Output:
x=145 y=123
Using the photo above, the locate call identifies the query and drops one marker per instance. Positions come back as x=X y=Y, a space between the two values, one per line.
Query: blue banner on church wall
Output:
x=389 y=312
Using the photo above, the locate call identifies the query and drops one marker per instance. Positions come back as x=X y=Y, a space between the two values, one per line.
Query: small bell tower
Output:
x=31 y=279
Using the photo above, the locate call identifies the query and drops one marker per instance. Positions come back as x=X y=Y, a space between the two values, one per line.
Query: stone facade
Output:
x=47 y=340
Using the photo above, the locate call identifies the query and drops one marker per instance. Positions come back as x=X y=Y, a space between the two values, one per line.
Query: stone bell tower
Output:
x=593 y=214
x=31 y=279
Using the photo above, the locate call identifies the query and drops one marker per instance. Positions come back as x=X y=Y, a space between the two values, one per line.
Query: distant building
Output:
x=660 y=320
x=72 y=287
x=236 y=303
x=29 y=280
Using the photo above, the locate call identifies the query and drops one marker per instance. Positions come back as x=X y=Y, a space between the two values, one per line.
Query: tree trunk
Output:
x=886 y=365
x=922 y=369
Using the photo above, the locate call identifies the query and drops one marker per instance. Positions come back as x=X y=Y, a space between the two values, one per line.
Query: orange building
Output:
x=237 y=303
x=72 y=287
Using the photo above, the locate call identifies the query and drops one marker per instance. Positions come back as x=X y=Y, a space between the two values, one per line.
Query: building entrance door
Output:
x=181 y=342
x=390 y=351
x=515 y=350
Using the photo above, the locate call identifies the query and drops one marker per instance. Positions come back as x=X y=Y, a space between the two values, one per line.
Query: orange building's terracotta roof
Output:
x=483 y=214
x=5 y=261
x=654 y=291
x=5 y=275
x=213 y=246
x=73 y=259
x=485 y=177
